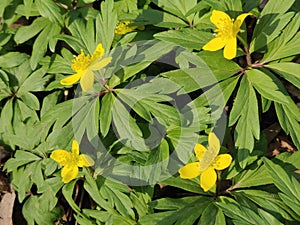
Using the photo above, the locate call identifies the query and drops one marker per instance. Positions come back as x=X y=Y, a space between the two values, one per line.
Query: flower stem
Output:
x=246 y=50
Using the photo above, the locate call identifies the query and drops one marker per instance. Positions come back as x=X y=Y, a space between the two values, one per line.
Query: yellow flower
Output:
x=71 y=161
x=226 y=34
x=124 y=28
x=84 y=67
x=209 y=161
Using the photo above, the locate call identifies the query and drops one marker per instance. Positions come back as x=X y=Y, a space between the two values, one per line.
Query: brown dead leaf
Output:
x=6 y=208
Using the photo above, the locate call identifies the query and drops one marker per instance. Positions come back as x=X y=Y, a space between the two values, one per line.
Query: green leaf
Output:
x=106 y=23
x=255 y=175
x=245 y=212
x=176 y=7
x=212 y=215
x=177 y=211
x=288 y=185
x=288 y=116
x=267 y=85
x=288 y=71
x=41 y=43
x=248 y=126
x=270 y=24
x=24 y=33
x=269 y=202
x=126 y=127
x=12 y=59
x=67 y=191
x=21 y=158
x=159 y=18
x=287 y=44
x=86 y=118
x=240 y=99
x=106 y=113
x=50 y=10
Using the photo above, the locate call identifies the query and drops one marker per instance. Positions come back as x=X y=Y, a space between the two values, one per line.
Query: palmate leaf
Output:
x=177 y=211
x=268 y=86
x=287 y=70
x=272 y=20
x=287 y=44
x=288 y=116
x=158 y=18
x=270 y=202
x=244 y=212
x=176 y=7
x=248 y=124
x=288 y=185
x=197 y=39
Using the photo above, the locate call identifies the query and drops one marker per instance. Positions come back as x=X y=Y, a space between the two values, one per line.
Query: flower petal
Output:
x=230 y=49
x=199 y=151
x=71 y=79
x=213 y=142
x=214 y=44
x=218 y=18
x=75 y=147
x=238 y=22
x=208 y=178
x=191 y=170
x=60 y=156
x=69 y=173
x=222 y=161
x=97 y=65
x=87 y=80
x=85 y=160
x=98 y=53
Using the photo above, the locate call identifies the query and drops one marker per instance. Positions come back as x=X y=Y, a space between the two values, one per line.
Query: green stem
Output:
x=246 y=50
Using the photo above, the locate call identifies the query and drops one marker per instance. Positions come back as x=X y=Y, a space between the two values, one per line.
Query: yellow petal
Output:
x=238 y=22
x=213 y=142
x=87 y=80
x=230 y=49
x=199 y=151
x=208 y=178
x=60 y=156
x=97 y=65
x=222 y=161
x=71 y=79
x=75 y=147
x=69 y=173
x=190 y=170
x=214 y=44
x=99 y=52
x=218 y=18
x=85 y=160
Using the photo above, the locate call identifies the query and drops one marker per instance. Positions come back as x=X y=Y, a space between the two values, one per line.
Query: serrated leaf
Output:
x=288 y=185
x=287 y=44
x=197 y=39
x=288 y=70
x=212 y=215
x=41 y=43
x=288 y=117
x=106 y=113
x=106 y=23
x=159 y=18
x=126 y=127
x=50 y=10
x=247 y=127
x=12 y=59
x=269 y=26
x=267 y=85
x=176 y=7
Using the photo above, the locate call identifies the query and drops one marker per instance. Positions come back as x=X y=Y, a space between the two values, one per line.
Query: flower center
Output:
x=73 y=159
x=225 y=28
x=81 y=62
